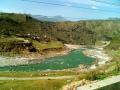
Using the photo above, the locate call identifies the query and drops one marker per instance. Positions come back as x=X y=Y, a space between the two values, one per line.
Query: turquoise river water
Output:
x=72 y=60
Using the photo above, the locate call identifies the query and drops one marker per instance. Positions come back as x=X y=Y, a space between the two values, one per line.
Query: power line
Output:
x=105 y=2
x=56 y=4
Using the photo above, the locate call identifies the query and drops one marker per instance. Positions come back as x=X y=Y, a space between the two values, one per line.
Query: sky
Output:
x=35 y=8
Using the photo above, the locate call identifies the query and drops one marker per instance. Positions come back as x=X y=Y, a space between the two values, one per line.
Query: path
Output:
x=35 y=78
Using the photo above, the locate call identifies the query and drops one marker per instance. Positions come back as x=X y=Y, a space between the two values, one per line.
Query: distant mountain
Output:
x=49 y=18
x=113 y=18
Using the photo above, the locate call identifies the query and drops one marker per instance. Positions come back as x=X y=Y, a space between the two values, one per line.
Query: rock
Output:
x=82 y=66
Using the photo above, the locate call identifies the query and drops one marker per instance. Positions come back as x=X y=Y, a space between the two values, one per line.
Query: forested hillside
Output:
x=81 y=32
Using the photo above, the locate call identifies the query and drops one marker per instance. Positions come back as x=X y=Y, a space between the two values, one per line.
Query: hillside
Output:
x=20 y=34
x=115 y=44
x=23 y=28
x=67 y=32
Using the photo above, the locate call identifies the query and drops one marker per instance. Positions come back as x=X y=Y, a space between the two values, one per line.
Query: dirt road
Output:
x=35 y=78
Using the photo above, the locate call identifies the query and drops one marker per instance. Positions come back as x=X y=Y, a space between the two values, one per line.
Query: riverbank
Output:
x=73 y=47
x=101 y=56
x=99 y=84
x=29 y=58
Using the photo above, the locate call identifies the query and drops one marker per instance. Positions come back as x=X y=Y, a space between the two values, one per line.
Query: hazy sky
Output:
x=24 y=6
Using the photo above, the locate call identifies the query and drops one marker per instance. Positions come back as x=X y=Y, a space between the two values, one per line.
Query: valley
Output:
x=77 y=52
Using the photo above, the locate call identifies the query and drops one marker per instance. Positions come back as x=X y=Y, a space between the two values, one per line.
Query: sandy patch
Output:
x=70 y=46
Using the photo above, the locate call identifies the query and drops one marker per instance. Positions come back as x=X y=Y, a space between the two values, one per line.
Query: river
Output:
x=71 y=60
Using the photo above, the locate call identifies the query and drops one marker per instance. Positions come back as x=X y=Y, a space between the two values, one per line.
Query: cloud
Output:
x=67 y=4
x=94 y=7
x=75 y=1
x=84 y=2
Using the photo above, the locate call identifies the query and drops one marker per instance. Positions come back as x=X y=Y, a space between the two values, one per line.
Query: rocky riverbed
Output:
x=99 y=54
x=29 y=58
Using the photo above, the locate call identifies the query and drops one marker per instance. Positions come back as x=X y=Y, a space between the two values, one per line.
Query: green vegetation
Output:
x=115 y=44
x=16 y=29
x=101 y=73
x=45 y=35
x=33 y=84
x=113 y=49
x=19 y=33
x=38 y=74
x=12 y=46
x=81 y=32
x=49 y=45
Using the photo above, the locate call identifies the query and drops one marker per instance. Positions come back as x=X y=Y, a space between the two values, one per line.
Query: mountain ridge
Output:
x=49 y=18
